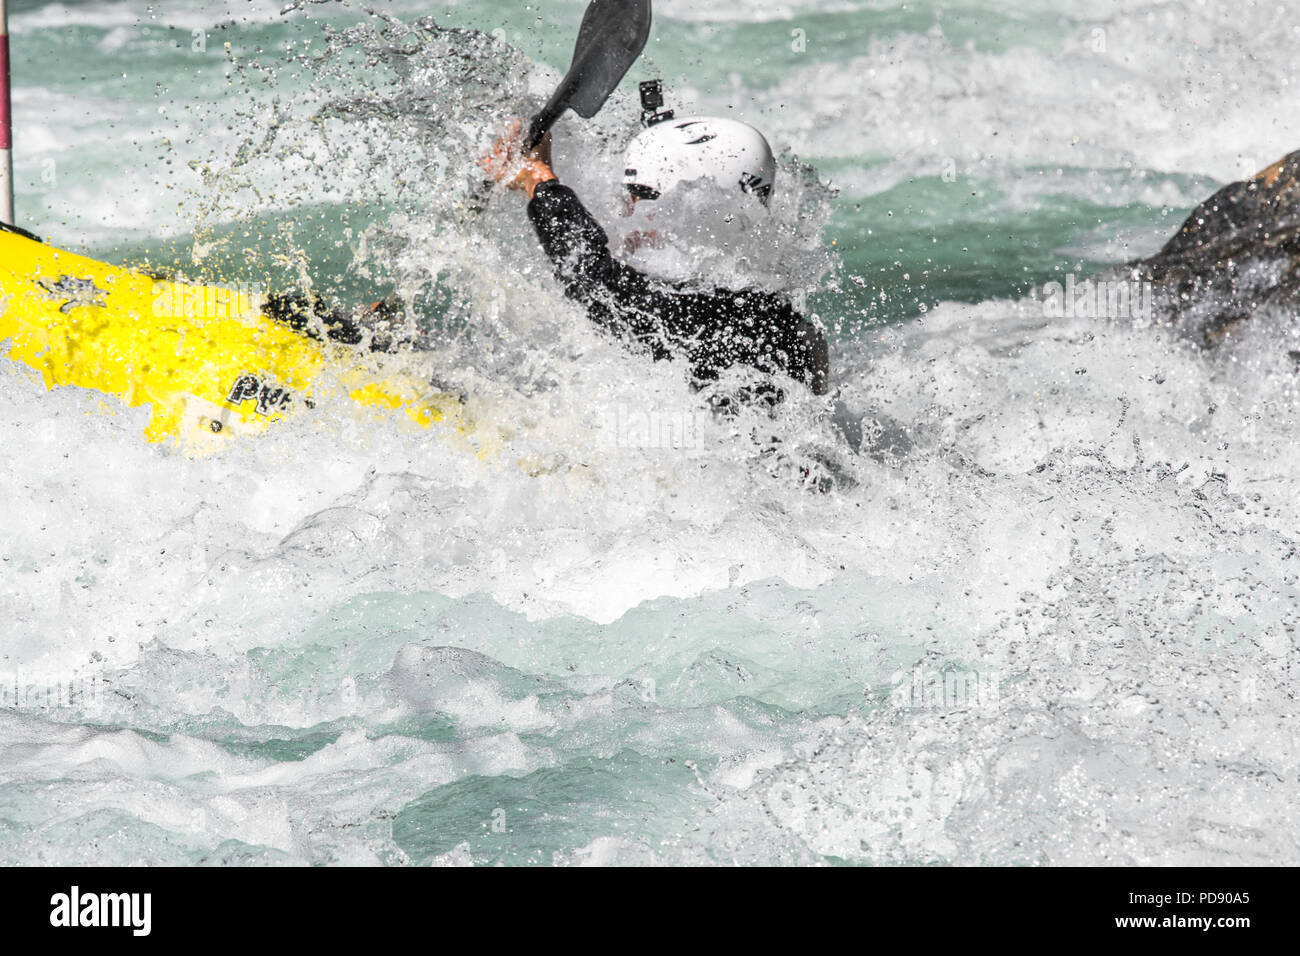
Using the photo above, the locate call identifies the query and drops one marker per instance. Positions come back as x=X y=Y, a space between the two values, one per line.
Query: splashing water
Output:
x=1045 y=613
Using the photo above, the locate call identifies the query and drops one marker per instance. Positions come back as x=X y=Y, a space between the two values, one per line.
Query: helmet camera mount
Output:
x=652 y=98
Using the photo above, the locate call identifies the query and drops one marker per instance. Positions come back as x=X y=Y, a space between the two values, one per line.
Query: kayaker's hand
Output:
x=504 y=164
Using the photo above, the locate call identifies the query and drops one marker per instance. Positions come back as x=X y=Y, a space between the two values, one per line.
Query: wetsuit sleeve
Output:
x=615 y=294
x=713 y=330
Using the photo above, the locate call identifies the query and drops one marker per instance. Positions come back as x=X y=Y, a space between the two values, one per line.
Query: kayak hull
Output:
x=207 y=361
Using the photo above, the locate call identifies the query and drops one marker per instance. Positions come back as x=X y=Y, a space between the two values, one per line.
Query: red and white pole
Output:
x=6 y=125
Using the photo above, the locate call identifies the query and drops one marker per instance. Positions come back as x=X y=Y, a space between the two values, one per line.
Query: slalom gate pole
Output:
x=6 y=125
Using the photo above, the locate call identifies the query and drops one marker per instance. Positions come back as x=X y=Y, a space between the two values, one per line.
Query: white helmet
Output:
x=727 y=151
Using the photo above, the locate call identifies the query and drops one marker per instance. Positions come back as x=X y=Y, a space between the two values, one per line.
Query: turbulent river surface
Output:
x=1022 y=590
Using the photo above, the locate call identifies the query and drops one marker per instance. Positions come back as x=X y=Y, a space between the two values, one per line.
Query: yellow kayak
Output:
x=207 y=360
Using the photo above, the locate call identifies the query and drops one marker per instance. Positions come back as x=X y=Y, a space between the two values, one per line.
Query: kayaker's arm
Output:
x=714 y=330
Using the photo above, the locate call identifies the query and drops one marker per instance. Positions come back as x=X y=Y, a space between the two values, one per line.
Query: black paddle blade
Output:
x=612 y=36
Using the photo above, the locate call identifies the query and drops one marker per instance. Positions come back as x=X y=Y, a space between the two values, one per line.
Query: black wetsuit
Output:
x=712 y=330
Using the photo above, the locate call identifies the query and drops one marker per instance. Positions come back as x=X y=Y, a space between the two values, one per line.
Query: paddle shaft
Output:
x=540 y=125
x=612 y=35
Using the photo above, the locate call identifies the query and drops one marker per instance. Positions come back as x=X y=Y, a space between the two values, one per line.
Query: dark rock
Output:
x=1237 y=253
